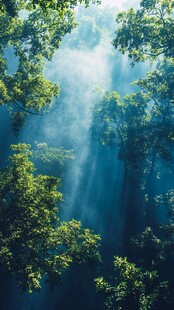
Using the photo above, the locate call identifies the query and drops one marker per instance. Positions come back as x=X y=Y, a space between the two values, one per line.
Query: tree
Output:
x=158 y=86
x=142 y=125
x=33 y=30
x=34 y=244
x=148 y=32
x=149 y=249
x=93 y=28
x=61 y=4
x=132 y=288
x=167 y=201
x=125 y=124
x=146 y=146
x=32 y=39
x=51 y=160
x=12 y=7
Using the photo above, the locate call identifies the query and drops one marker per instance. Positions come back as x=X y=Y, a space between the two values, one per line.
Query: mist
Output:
x=85 y=66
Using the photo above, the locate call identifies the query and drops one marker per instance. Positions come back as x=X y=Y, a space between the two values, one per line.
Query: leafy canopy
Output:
x=133 y=287
x=125 y=124
x=33 y=30
x=12 y=7
x=33 y=242
x=147 y=32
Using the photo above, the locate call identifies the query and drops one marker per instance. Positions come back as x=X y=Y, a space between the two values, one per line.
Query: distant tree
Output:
x=125 y=124
x=158 y=86
x=167 y=201
x=34 y=244
x=93 y=28
x=51 y=160
x=149 y=249
x=148 y=32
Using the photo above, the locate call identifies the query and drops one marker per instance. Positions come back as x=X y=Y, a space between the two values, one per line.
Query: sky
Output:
x=117 y=3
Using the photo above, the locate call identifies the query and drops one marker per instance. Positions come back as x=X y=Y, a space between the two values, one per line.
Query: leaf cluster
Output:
x=34 y=244
x=125 y=124
x=133 y=287
x=51 y=160
x=35 y=30
x=146 y=33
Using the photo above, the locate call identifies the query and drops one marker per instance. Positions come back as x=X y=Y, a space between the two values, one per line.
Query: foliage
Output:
x=158 y=86
x=142 y=126
x=147 y=32
x=150 y=250
x=61 y=4
x=86 y=35
x=124 y=124
x=12 y=7
x=34 y=244
x=51 y=160
x=133 y=288
x=106 y=113
x=32 y=39
x=35 y=30
x=167 y=201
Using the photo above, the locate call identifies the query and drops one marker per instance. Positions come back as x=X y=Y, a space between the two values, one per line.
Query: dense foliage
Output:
x=148 y=32
x=142 y=127
x=33 y=30
x=34 y=243
x=134 y=288
x=12 y=7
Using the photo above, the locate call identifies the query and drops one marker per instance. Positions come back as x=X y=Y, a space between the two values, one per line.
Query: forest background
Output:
x=110 y=143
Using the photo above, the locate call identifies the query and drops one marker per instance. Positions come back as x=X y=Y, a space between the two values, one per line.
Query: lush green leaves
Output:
x=33 y=242
x=12 y=7
x=133 y=288
x=150 y=250
x=32 y=39
x=35 y=30
x=147 y=32
x=60 y=4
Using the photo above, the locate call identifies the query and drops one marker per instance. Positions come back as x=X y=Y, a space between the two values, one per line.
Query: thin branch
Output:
x=34 y=113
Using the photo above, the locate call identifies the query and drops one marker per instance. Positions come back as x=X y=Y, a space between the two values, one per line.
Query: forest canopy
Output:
x=34 y=243
x=148 y=32
x=33 y=31
x=117 y=175
x=141 y=126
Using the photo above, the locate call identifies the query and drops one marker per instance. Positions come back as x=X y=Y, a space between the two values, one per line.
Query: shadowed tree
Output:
x=133 y=288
